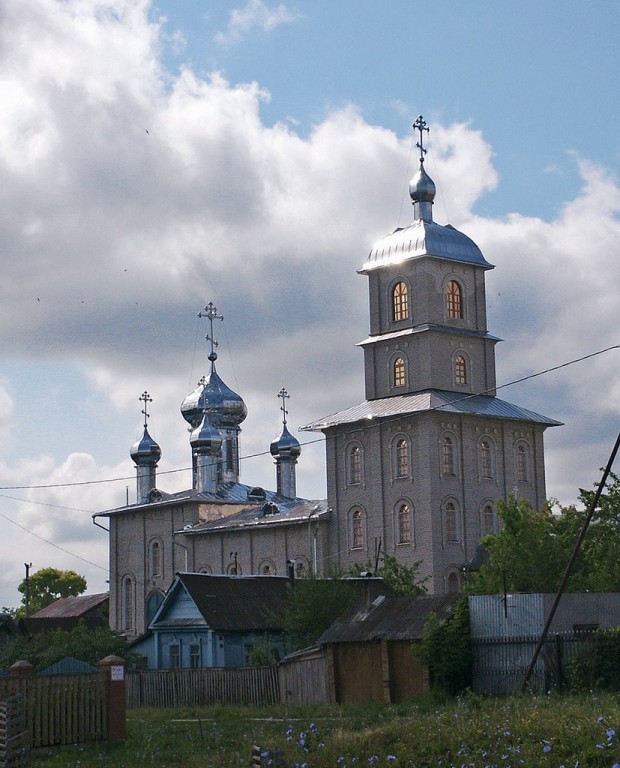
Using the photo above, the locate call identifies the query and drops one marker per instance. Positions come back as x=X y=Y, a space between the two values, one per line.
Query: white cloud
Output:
x=114 y=238
x=254 y=15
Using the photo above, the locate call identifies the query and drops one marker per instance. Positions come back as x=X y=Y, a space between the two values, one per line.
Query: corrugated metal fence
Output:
x=199 y=687
x=500 y=663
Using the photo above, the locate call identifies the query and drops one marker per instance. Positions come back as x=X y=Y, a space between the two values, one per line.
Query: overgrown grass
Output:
x=472 y=732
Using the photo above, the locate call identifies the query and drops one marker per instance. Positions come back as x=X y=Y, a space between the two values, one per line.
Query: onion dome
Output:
x=224 y=407
x=421 y=187
x=285 y=446
x=145 y=450
x=206 y=438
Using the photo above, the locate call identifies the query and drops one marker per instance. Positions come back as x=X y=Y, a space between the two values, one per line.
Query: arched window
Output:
x=447 y=456
x=404 y=524
x=486 y=460
x=402 y=458
x=522 y=469
x=488 y=520
x=400 y=302
x=453 y=583
x=155 y=559
x=460 y=370
x=355 y=465
x=357 y=529
x=267 y=568
x=454 y=300
x=301 y=567
x=128 y=603
x=451 y=522
x=399 y=376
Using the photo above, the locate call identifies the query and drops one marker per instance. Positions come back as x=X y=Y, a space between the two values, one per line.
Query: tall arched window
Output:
x=355 y=465
x=400 y=302
x=486 y=463
x=522 y=474
x=460 y=370
x=402 y=457
x=447 y=456
x=404 y=524
x=488 y=520
x=453 y=583
x=128 y=603
x=155 y=559
x=451 y=522
x=357 y=529
x=454 y=300
x=399 y=376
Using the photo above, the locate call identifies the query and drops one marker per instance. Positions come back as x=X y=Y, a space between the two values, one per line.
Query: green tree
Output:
x=49 y=584
x=403 y=580
x=312 y=605
x=446 y=649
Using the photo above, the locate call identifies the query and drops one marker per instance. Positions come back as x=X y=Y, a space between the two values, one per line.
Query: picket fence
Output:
x=252 y=686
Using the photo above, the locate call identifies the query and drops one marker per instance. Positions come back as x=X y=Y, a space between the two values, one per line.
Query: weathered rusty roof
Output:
x=71 y=607
x=290 y=512
x=388 y=618
x=430 y=400
x=228 y=603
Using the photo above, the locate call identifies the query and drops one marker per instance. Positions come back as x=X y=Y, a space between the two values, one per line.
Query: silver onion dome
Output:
x=145 y=450
x=285 y=446
x=224 y=407
x=206 y=438
x=421 y=187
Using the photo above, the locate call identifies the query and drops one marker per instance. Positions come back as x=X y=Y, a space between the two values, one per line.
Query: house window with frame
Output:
x=454 y=300
x=460 y=370
x=399 y=372
x=404 y=524
x=522 y=474
x=194 y=656
x=400 y=302
x=451 y=522
x=447 y=457
x=175 y=656
x=402 y=457
x=486 y=461
x=355 y=465
x=357 y=529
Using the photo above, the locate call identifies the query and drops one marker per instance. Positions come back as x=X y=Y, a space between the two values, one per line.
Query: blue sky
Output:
x=159 y=155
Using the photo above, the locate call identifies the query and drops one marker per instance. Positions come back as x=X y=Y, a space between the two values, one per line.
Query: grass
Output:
x=472 y=732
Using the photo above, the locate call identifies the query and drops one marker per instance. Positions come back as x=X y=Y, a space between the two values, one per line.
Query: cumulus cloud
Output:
x=254 y=15
x=131 y=197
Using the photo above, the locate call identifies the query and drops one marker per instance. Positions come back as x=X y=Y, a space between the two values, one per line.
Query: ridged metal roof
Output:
x=268 y=514
x=431 y=400
x=422 y=328
x=390 y=618
x=424 y=238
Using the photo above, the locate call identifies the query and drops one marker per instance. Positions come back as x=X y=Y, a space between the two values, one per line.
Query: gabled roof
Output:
x=388 y=618
x=71 y=607
x=227 y=603
x=430 y=400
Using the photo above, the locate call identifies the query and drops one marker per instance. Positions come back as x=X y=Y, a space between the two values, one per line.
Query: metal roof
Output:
x=424 y=327
x=430 y=400
x=71 y=607
x=269 y=514
x=424 y=238
x=389 y=618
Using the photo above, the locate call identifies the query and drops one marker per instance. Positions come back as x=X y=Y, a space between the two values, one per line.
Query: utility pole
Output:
x=28 y=566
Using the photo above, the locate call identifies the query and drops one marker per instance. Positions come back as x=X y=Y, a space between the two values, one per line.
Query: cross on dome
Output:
x=210 y=312
x=145 y=398
x=419 y=124
x=284 y=396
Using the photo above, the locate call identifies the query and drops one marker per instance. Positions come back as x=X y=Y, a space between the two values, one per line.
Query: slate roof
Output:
x=430 y=400
x=229 y=603
x=388 y=618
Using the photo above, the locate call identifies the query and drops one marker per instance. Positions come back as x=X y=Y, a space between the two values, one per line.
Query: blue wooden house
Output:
x=210 y=620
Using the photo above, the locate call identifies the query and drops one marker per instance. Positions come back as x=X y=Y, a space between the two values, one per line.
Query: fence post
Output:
x=113 y=670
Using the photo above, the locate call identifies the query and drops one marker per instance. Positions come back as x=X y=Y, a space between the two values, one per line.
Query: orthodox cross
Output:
x=420 y=125
x=284 y=396
x=210 y=312
x=145 y=398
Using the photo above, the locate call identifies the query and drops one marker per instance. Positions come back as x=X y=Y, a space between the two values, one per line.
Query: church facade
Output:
x=414 y=471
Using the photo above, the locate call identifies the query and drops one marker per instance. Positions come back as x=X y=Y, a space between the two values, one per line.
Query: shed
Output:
x=67 y=612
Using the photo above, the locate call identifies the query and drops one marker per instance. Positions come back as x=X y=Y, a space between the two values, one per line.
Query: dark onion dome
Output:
x=206 y=437
x=145 y=450
x=224 y=407
x=422 y=187
x=285 y=446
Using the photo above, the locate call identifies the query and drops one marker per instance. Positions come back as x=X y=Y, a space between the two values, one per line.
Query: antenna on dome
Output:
x=210 y=312
x=145 y=398
x=419 y=124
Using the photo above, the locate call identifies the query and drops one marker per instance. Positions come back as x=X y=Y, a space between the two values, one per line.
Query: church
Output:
x=414 y=471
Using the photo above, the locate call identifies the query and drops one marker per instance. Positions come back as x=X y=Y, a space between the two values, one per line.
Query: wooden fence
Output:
x=304 y=678
x=200 y=687
x=14 y=734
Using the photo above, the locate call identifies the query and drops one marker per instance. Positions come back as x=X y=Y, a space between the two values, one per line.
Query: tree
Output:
x=49 y=584
x=446 y=649
x=312 y=605
x=403 y=580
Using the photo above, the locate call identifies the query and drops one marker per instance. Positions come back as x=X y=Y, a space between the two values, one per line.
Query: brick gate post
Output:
x=113 y=670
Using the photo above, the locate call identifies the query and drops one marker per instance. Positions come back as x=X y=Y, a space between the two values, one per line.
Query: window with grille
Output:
x=404 y=524
x=488 y=519
x=447 y=456
x=451 y=522
x=402 y=458
x=486 y=468
x=399 y=376
x=355 y=465
x=357 y=530
x=454 y=299
x=521 y=463
x=400 y=302
x=460 y=370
